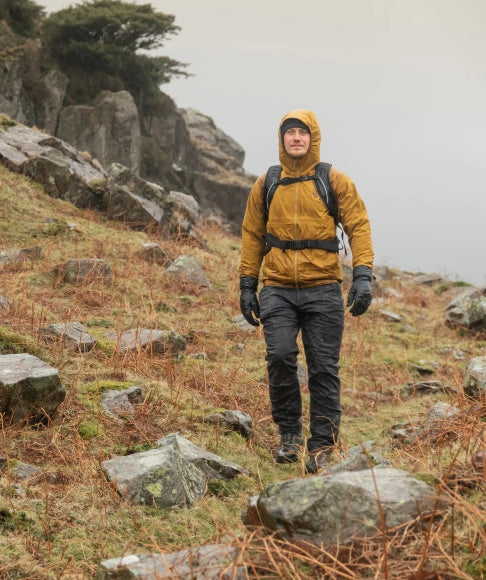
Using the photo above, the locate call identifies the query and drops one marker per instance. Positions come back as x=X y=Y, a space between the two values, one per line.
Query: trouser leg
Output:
x=281 y=326
x=322 y=320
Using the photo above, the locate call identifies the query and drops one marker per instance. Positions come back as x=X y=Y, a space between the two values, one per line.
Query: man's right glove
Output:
x=248 y=299
x=360 y=294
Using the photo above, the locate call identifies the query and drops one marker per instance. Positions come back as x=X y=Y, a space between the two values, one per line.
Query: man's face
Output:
x=296 y=142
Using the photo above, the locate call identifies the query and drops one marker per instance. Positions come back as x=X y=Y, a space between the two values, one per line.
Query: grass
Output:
x=62 y=523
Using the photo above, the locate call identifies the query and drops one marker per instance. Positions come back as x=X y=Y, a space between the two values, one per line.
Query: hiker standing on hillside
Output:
x=295 y=238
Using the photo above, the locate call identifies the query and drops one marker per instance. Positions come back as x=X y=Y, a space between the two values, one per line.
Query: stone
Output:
x=187 y=269
x=339 y=507
x=158 y=342
x=73 y=335
x=213 y=466
x=59 y=167
x=159 y=477
x=153 y=253
x=85 y=271
x=468 y=310
x=109 y=129
x=29 y=387
x=360 y=457
x=428 y=279
x=475 y=379
x=210 y=562
x=391 y=316
x=232 y=420
x=119 y=404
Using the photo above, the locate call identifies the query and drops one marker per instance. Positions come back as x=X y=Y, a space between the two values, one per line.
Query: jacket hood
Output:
x=296 y=167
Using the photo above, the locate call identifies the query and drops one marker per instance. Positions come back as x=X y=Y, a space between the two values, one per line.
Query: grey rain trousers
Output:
x=319 y=313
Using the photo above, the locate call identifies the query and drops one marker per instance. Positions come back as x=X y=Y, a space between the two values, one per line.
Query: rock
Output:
x=425 y=388
x=137 y=212
x=19 y=470
x=71 y=334
x=29 y=387
x=336 y=508
x=211 y=142
x=188 y=202
x=428 y=279
x=153 y=253
x=187 y=269
x=12 y=256
x=391 y=316
x=360 y=457
x=475 y=379
x=160 y=477
x=468 y=310
x=60 y=168
x=211 y=562
x=109 y=129
x=158 y=342
x=243 y=324
x=439 y=424
x=4 y=305
x=422 y=368
x=85 y=271
x=213 y=466
x=119 y=404
x=233 y=420
x=48 y=97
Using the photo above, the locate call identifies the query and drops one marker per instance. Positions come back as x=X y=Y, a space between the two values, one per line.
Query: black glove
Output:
x=248 y=300
x=360 y=294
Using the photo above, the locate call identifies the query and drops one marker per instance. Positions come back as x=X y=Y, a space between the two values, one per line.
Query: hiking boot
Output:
x=289 y=447
x=318 y=461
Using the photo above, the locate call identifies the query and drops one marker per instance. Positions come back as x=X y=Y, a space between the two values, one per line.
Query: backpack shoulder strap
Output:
x=325 y=190
x=272 y=179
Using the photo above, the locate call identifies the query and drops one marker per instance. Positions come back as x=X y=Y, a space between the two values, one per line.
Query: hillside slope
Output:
x=61 y=525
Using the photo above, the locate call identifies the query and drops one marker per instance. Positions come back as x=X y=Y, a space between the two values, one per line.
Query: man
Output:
x=302 y=285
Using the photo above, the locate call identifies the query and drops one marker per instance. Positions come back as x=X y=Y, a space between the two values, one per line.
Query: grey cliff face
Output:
x=179 y=149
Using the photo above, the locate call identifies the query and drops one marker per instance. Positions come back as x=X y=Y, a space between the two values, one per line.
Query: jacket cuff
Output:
x=362 y=272
x=248 y=283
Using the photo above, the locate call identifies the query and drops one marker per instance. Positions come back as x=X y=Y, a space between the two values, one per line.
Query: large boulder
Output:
x=213 y=144
x=337 y=508
x=29 y=387
x=109 y=129
x=475 y=380
x=468 y=310
x=160 y=477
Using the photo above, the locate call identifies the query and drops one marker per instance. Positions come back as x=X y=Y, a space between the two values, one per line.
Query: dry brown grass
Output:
x=63 y=522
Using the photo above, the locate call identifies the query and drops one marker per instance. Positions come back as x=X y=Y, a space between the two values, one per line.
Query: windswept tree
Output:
x=106 y=44
x=22 y=16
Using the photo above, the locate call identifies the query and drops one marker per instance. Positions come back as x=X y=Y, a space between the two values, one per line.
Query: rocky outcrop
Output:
x=109 y=129
x=73 y=176
x=179 y=149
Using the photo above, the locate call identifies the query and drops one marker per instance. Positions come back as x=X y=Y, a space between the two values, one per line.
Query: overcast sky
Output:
x=399 y=88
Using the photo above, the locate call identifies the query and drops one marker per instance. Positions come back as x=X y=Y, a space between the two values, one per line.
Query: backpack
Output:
x=326 y=193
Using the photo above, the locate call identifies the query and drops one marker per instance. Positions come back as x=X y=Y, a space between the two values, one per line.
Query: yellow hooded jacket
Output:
x=296 y=213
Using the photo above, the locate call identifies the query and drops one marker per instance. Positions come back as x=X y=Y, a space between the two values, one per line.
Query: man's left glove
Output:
x=248 y=299
x=360 y=294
